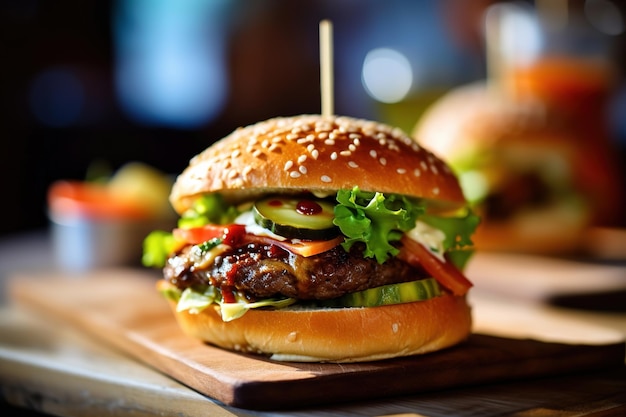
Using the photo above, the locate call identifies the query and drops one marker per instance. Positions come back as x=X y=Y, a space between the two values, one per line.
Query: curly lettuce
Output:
x=375 y=219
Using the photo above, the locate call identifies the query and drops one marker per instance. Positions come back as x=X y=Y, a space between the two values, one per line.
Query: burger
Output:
x=318 y=238
x=522 y=167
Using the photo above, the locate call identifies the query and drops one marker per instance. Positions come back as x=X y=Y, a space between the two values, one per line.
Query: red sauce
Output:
x=308 y=207
x=228 y=295
x=275 y=203
x=234 y=234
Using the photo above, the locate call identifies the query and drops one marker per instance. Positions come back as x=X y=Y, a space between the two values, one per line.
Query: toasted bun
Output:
x=471 y=120
x=318 y=154
x=336 y=334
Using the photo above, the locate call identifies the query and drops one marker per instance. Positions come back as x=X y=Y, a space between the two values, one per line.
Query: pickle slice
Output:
x=303 y=218
x=404 y=292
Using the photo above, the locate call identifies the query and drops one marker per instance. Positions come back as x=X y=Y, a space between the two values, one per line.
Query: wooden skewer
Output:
x=326 y=67
x=493 y=47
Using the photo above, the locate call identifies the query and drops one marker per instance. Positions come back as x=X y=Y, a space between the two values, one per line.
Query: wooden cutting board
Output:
x=122 y=308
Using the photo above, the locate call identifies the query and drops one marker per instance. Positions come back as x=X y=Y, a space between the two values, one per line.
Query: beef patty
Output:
x=264 y=271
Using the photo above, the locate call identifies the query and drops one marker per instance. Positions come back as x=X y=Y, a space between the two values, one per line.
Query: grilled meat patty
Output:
x=263 y=271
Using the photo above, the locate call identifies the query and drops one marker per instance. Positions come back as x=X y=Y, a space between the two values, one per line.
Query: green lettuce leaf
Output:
x=209 y=208
x=195 y=300
x=458 y=229
x=375 y=219
x=157 y=247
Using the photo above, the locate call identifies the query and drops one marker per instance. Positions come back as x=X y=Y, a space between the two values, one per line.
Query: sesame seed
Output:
x=353 y=164
x=373 y=153
x=383 y=161
x=315 y=153
x=288 y=165
x=352 y=147
x=333 y=156
x=274 y=147
x=294 y=174
x=356 y=141
x=345 y=153
x=417 y=172
x=235 y=153
x=291 y=136
x=257 y=153
x=247 y=170
x=396 y=131
x=265 y=143
x=436 y=190
x=401 y=171
x=302 y=169
x=325 y=178
x=310 y=137
x=232 y=174
x=322 y=135
x=301 y=159
x=329 y=142
x=434 y=169
x=310 y=147
x=424 y=166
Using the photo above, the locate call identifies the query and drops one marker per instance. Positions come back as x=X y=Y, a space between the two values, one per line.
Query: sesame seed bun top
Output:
x=318 y=154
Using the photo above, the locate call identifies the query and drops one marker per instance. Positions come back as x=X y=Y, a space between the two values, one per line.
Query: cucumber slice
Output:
x=405 y=292
x=303 y=218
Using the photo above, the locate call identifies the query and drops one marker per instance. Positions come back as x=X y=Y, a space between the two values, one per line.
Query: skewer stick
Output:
x=326 y=67
x=493 y=47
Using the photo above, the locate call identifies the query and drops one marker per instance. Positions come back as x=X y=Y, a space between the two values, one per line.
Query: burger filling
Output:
x=363 y=249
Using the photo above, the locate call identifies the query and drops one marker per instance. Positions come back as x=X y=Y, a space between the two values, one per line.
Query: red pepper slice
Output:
x=446 y=273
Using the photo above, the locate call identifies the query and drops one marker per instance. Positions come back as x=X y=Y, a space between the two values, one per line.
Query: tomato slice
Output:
x=197 y=235
x=446 y=273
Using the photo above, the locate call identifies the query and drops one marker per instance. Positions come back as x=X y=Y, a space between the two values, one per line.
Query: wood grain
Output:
x=122 y=308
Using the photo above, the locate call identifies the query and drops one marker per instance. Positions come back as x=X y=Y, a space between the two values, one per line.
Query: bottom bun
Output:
x=336 y=334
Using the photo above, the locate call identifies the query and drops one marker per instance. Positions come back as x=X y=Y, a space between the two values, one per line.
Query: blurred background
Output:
x=89 y=84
